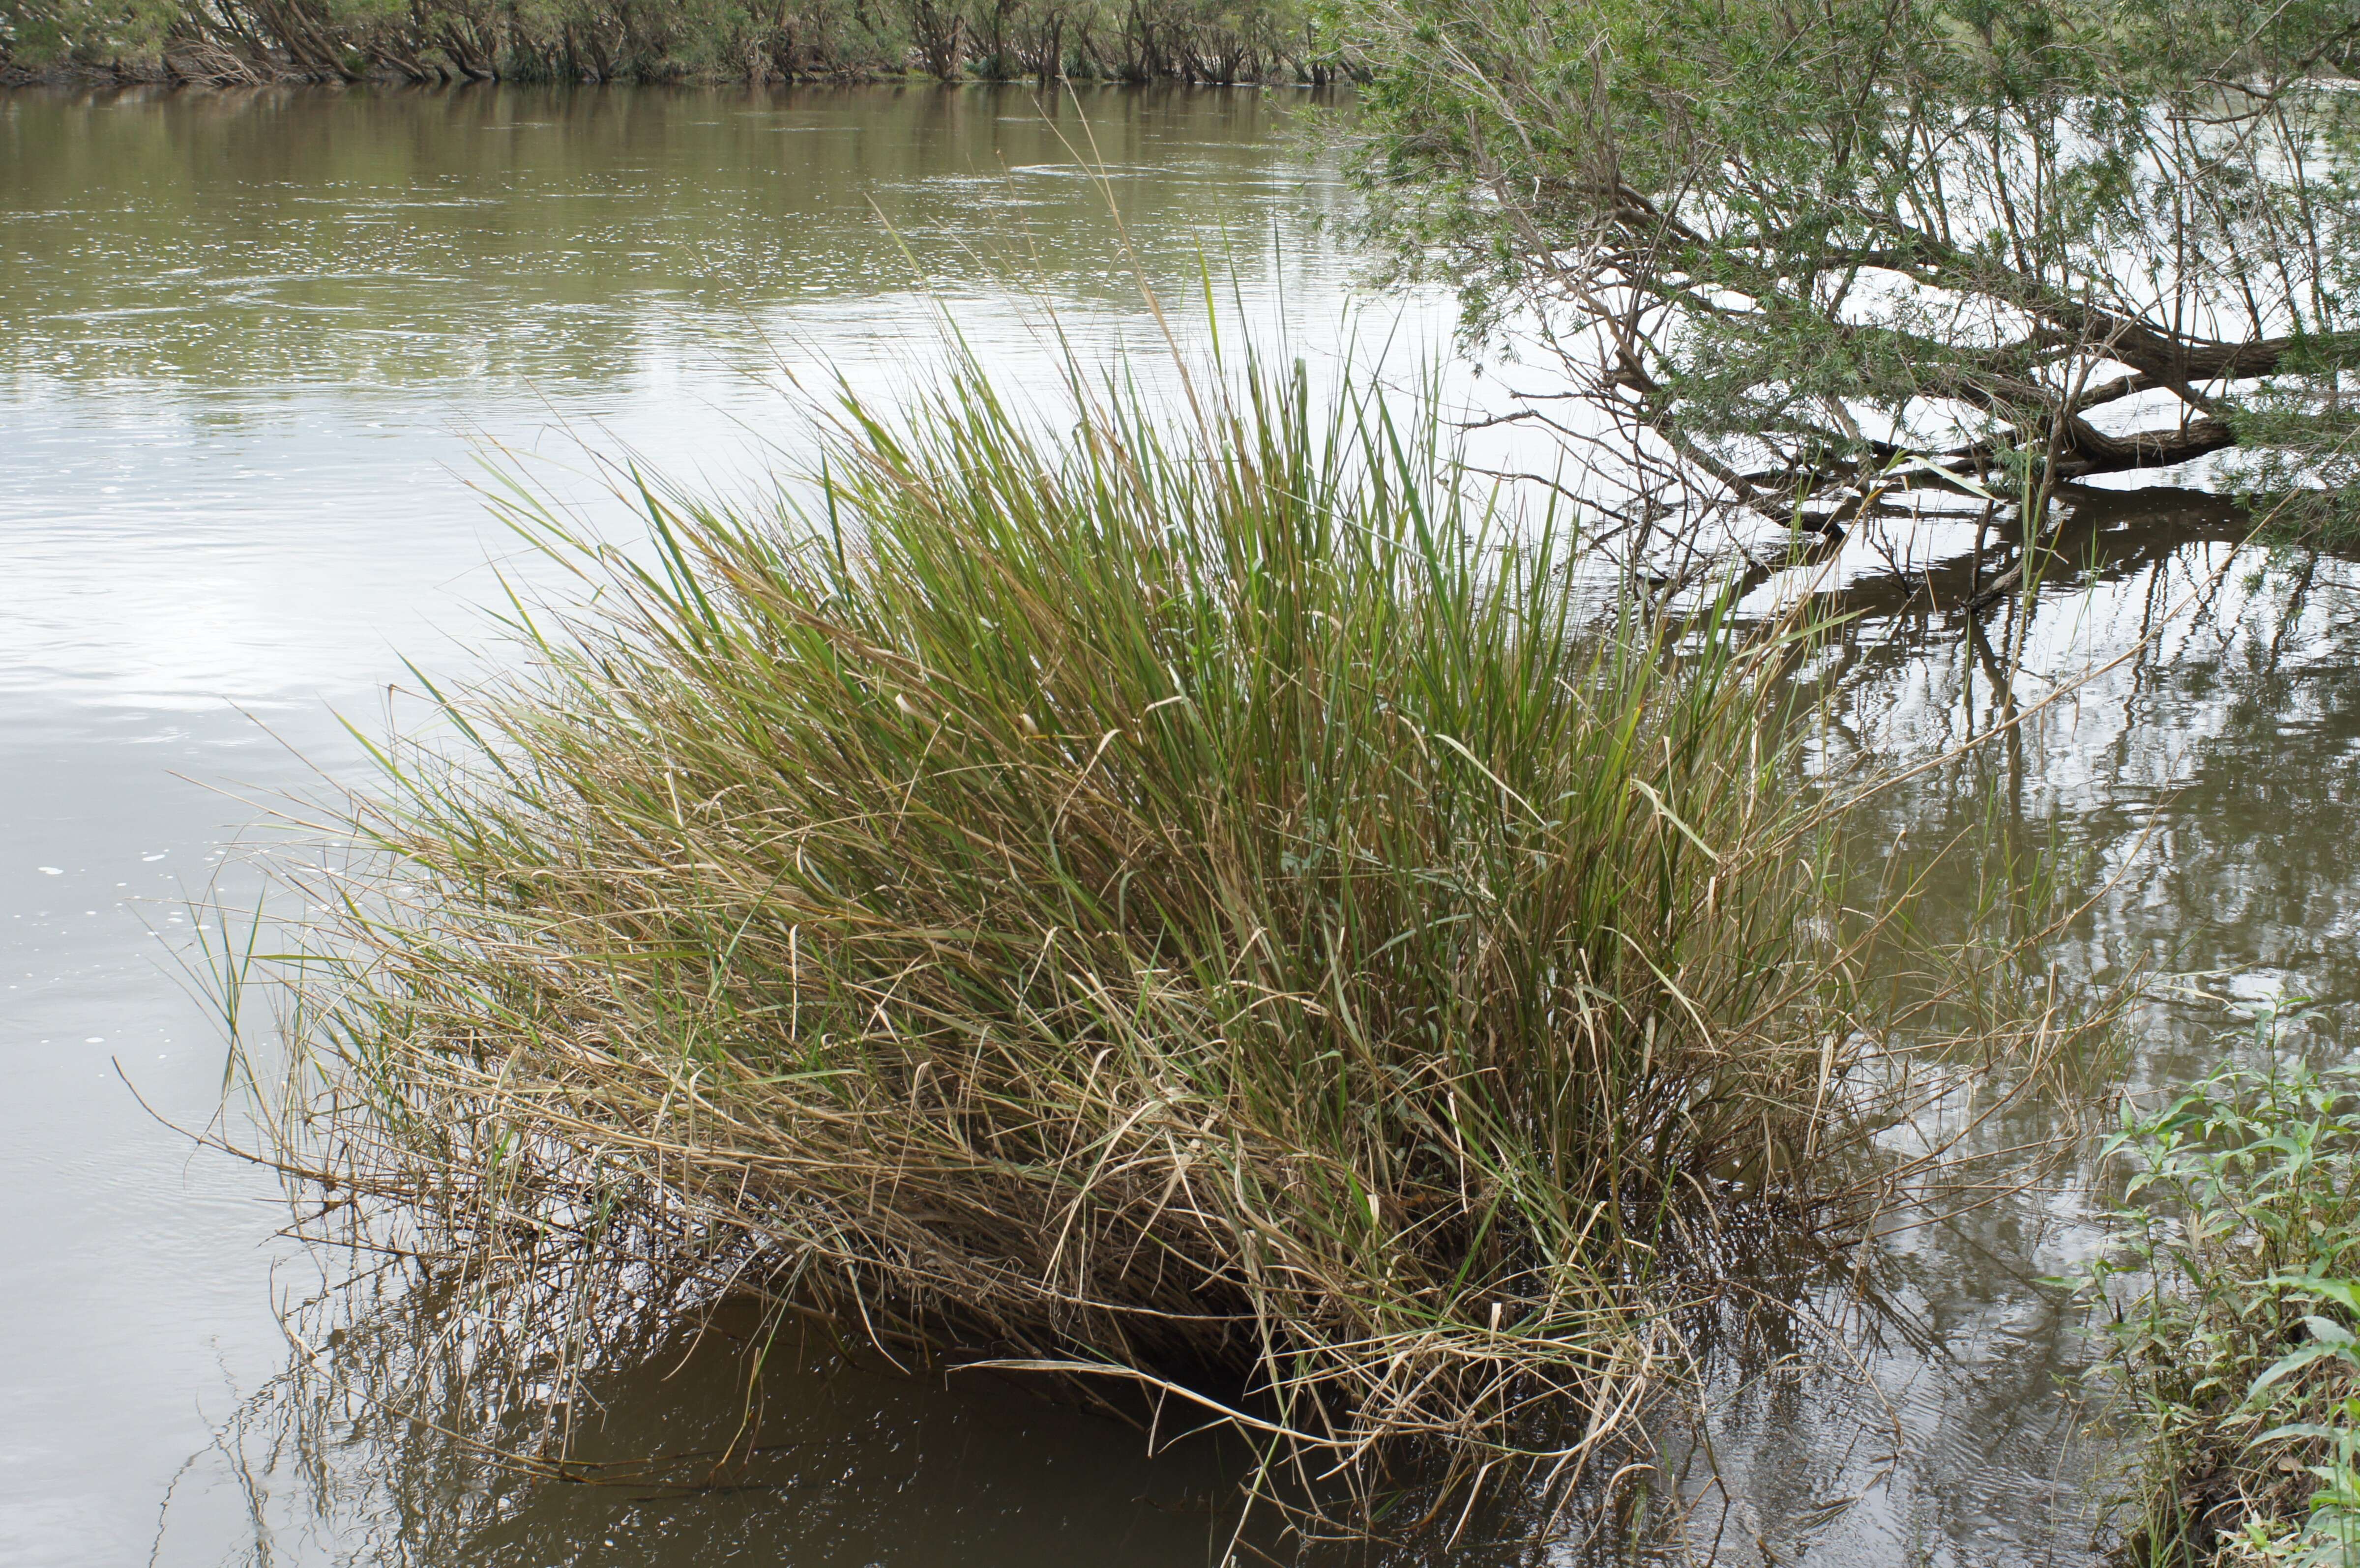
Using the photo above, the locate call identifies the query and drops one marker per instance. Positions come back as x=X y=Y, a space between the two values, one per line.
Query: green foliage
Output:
x=2299 y=458
x=2233 y=1294
x=606 y=40
x=37 y=33
x=1794 y=243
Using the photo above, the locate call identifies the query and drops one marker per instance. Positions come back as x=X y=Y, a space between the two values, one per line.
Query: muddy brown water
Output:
x=254 y=346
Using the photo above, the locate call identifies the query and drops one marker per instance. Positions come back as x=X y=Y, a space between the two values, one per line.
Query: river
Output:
x=258 y=349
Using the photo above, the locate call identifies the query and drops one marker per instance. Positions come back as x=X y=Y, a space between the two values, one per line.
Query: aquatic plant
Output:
x=2228 y=1306
x=1213 y=903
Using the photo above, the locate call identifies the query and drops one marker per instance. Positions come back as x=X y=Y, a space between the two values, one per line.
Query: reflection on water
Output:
x=385 y=1442
x=249 y=334
x=257 y=245
x=2184 y=747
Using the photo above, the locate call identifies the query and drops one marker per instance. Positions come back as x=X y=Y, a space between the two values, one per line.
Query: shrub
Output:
x=2233 y=1349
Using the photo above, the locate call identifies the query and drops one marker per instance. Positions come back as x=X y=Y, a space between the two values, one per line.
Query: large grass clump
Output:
x=1210 y=899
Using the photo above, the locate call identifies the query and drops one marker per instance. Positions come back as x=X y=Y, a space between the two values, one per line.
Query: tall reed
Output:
x=1208 y=900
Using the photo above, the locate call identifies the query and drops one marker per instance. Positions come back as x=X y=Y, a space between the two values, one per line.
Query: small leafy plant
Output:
x=2230 y=1302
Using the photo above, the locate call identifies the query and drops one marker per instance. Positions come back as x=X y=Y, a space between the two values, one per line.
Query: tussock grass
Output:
x=1201 y=900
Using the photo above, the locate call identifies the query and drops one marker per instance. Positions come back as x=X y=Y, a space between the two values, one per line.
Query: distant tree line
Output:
x=230 y=42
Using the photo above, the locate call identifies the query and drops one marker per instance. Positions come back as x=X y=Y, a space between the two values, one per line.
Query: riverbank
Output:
x=243 y=43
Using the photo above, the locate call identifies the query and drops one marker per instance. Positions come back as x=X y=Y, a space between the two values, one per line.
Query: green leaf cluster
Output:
x=2229 y=1303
